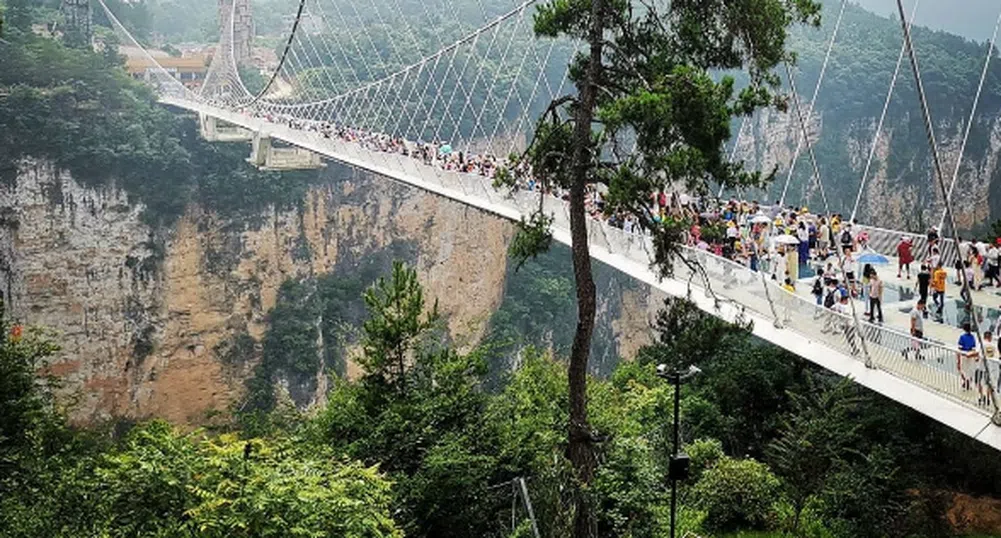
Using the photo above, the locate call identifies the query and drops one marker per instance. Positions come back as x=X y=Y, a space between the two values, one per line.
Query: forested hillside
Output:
x=849 y=105
x=422 y=434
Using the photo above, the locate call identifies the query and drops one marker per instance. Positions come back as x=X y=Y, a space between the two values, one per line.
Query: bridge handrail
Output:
x=922 y=362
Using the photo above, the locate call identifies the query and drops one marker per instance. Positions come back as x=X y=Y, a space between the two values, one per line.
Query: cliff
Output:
x=169 y=321
x=901 y=191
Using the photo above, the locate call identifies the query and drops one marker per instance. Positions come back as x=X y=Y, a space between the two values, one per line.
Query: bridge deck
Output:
x=931 y=386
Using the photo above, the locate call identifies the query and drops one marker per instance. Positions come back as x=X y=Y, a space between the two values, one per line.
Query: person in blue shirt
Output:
x=967 y=356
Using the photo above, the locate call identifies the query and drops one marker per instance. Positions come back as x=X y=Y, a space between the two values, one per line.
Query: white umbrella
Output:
x=786 y=239
x=761 y=219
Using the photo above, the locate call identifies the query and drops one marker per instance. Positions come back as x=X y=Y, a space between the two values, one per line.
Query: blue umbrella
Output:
x=874 y=258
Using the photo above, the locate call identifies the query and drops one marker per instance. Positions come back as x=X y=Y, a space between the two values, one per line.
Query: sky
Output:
x=973 y=19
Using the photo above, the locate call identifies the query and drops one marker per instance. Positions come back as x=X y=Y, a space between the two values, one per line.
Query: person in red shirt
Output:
x=904 y=257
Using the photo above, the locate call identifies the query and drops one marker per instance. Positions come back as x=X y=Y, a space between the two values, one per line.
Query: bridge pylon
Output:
x=236 y=32
x=213 y=129
x=265 y=156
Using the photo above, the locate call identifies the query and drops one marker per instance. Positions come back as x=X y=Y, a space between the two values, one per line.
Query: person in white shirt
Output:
x=993 y=275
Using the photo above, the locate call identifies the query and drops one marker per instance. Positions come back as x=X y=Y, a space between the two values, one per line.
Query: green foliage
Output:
x=86 y=116
x=736 y=494
x=396 y=322
x=431 y=440
x=162 y=483
x=864 y=497
x=532 y=238
x=704 y=454
x=814 y=438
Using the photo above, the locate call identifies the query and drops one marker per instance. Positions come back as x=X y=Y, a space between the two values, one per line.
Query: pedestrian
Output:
x=990 y=355
x=818 y=287
x=967 y=356
x=823 y=238
x=904 y=257
x=938 y=280
x=932 y=238
x=875 y=297
x=847 y=241
x=924 y=280
x=849 y=264
x=976 y=262
x=934 y=257
x=831 y=298
x=803 y=234
x=867 y=272
x=917 y=316
x=993 y=266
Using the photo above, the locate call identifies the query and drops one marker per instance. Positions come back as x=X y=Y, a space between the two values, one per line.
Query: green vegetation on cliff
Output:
x=852 y=97
x=429 y=451
x=78 y=110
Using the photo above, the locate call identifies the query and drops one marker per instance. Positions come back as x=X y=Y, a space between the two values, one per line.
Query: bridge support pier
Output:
x=214 y=130
x=264 y=155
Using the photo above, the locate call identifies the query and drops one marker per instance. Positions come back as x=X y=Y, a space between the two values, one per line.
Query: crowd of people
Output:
x=787 y=243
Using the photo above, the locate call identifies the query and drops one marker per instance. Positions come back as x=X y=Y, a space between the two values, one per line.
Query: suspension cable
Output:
x=281 y=62
x=882 y=116
x=806 y=136
x=813 y=100
x=973 y=114
x=940 y=179
x=517 y=10
x=827 y=211
x=733 y=150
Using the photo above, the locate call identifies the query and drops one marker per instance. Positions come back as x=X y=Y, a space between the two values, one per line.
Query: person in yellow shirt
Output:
x=938 y=280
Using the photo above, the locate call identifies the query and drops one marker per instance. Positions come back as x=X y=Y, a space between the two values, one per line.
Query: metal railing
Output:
x=923 y=362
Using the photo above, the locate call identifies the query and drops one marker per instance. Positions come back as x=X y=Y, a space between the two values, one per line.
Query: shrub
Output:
x=736 y=494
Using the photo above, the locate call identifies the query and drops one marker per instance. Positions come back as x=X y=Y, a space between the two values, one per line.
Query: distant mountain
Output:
x=972 y=19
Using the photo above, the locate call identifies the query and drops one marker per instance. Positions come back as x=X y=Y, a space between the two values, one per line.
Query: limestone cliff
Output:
x=900 y=192
x=140 y=311
x=150 y=319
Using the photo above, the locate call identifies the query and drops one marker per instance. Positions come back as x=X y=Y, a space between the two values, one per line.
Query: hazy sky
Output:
x=973 y=19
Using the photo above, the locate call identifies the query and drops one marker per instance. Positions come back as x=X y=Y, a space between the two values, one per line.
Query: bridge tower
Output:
x=79 y=30
x=242 y=26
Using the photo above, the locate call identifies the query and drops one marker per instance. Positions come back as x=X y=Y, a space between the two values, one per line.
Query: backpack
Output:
x=829 y=300
x=846 y=237
x=818 y=287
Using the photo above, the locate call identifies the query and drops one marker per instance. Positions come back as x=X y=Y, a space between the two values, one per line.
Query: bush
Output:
x=736 y=494
x=704 y=454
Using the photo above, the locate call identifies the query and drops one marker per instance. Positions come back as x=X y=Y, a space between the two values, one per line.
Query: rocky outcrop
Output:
x=142 y=313
x=916 y=202
x=169 y=322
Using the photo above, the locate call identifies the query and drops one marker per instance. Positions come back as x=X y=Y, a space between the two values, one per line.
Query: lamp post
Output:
x=678 y=467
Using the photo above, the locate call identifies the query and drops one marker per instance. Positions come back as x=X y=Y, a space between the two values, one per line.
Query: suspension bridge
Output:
x=478 y=95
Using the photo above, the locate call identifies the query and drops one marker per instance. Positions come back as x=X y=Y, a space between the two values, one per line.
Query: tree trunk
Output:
x=580 y=444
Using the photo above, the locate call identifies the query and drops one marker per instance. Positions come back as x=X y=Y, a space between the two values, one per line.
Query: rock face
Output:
x=145 y=316
x=141 y=312
x=900 y=192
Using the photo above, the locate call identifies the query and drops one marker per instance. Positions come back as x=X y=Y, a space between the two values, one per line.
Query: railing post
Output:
x=771 y=303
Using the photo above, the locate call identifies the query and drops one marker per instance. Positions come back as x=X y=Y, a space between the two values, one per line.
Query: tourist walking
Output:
x=938 y=280
x=924 y=281
x=844 y=313
x=993 y=266
x=875 y=297
x=918 y=315
x=904 y=257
